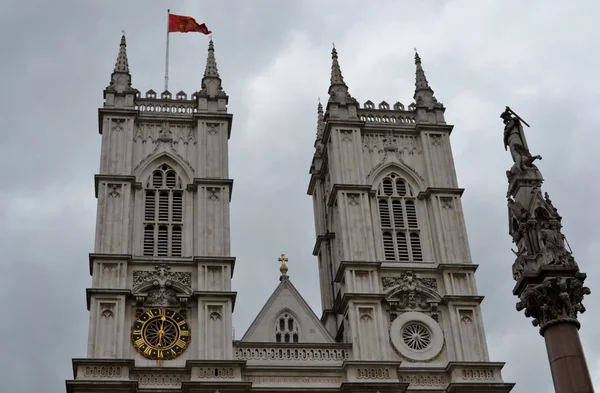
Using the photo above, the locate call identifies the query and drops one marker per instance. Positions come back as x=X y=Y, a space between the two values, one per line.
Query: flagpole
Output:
x=167 y=54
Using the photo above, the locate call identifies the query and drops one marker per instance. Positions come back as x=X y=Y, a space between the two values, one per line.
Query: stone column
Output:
x=549 y=283
x=567 y=361
x=554 y=304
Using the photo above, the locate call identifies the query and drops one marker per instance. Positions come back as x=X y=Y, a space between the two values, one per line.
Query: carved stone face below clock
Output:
x=160 y=334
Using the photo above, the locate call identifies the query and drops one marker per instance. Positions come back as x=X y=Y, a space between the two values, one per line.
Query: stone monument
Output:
x=548 y=281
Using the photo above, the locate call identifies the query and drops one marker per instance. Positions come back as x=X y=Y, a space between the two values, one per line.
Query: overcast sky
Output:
x=539 y=57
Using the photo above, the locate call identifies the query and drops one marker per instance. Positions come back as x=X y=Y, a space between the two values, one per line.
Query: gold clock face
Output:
x=160 y=334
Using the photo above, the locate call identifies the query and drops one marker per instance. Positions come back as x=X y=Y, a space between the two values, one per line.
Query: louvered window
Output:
x=163 y=214
x=399 y=223
x=287 y=329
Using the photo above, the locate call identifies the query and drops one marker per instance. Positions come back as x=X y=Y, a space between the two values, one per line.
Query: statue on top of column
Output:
x=514 y=139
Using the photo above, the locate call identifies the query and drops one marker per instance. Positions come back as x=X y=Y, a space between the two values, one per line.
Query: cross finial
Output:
x=123 y=31
x=333 y=43
x=283 y=269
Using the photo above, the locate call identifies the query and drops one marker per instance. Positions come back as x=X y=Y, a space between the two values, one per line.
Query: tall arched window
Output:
x=398 y=216
x=163 y=213
x=287 y=329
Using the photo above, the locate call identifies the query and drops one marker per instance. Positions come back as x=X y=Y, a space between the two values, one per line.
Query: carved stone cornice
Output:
x=216 y=386
x=320 y=240
x=440 y=190
x=347 y=187
x=341 y=302
x=218 y=260
x=216 y=116
x=210 y=182
x=555 y=300
x=87 y=386
x=105 y=292
x=113 y=179
x=424 y=127
x=112 y=257
x=217 y=295
x=462 y=299
x=344 y=265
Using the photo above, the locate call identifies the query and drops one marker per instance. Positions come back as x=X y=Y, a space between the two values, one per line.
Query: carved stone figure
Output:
x=514 y=139
x=518 y=267
x=552 y=245
x=517 y=210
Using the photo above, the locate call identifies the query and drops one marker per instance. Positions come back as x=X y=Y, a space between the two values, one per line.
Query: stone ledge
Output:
x=102 y=386
x=339 y=275
x=360 y=371
x=346 y=187
x=211 y=387
x=386 y=387
x=111 y=178
x=218 y=371
x=340 y=304
x=479 y=387
x=465 y=372
x=440 y=190
x=104 y=291
x=462 y=298
x=94 y=369
x=216 y=295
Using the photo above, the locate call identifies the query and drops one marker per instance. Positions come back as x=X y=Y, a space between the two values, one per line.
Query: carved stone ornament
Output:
x=409 y=292
x=556 y=300
x=161 y=285
x=165 y=134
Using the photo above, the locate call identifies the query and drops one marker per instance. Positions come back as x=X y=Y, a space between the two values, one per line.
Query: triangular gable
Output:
x=287 y=299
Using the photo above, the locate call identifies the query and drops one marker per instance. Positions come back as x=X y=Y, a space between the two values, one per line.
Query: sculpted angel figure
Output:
x=514 y=139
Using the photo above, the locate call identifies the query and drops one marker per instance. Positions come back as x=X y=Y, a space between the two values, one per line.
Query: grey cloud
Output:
x=478 y=57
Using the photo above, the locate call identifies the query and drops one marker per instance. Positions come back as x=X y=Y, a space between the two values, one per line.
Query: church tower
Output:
x=397 y=279
x=160 y=302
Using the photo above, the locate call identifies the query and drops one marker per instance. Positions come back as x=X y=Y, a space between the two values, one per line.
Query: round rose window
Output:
x=416 y=336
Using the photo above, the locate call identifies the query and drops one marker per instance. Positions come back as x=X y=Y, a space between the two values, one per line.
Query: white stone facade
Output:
x=401 y=310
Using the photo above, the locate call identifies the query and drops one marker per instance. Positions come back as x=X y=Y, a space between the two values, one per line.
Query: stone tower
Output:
x=161 y=267
x=397 y=279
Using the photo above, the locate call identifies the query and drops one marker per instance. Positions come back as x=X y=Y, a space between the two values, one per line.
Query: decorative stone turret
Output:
x=341 y=105
x=429 y=110
x=119 y=93
x=549 y=283
x=212 y=97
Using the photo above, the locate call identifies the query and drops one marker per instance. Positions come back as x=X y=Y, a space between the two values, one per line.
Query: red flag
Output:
x=186 y=24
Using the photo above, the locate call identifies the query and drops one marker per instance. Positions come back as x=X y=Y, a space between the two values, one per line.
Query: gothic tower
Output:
x=161 y=267
x=397 y=279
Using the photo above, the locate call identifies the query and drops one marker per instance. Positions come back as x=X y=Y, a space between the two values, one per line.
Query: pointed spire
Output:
x=211 y=62
x=336 y=72
x=421 y=80
x=423 y=92
x=211 y=82
x=338 y=90
x=320 y=122
x=120 y=80
x=122 y=65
